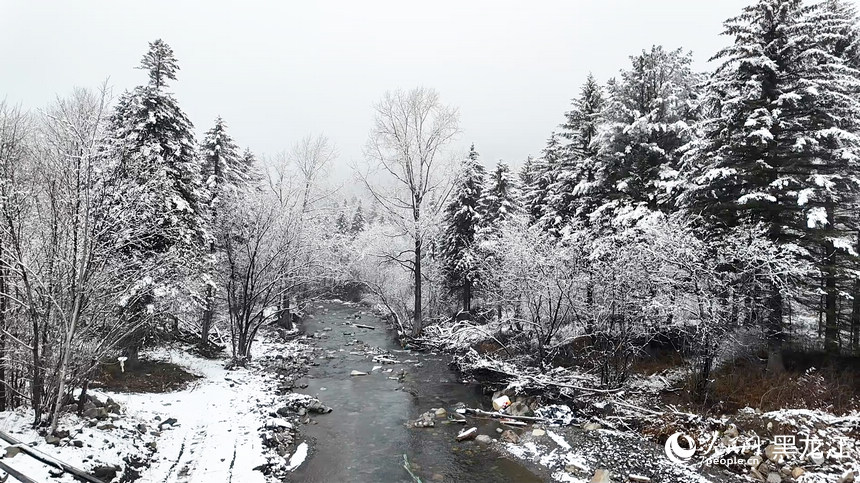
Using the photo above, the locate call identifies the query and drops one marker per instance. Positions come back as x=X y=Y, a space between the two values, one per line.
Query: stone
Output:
x=112 y=407
x=52 y=440
x=732 y=432
x=773 y=477
x=816 y=458
x=500 y=430
x=797 y=472
x=441 y=413
x=757 y=475
x=96 y=413
x=106 y=427
x=638 y=479
x=538 y=432
x=772 y=454
x=601 y=476
x=357 y=373
x=167 y=422
x=754 y=461
x=467 y=434
x=847 y=477
x=105 y=472
x=508 y=436
x=591 y=426
x=77 y=443
x=483 y=439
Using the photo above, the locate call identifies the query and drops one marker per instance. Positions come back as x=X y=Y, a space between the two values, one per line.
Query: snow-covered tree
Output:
x=462 y=220
x=500 y=200
x=151 y=142
x=649 y=114
x=541 y=174
x=405 y=174
x=573 y=195
x=782 y=148
x=358 y=222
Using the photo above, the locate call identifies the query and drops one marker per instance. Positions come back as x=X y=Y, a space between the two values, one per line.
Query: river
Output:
x=365 y=437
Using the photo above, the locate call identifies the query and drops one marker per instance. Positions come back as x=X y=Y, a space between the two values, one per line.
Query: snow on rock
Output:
x=298 y=457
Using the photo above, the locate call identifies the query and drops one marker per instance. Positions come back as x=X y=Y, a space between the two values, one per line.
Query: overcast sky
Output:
x=278 y=70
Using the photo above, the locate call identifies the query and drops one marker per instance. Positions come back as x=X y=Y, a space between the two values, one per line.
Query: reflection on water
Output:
x=365 y=437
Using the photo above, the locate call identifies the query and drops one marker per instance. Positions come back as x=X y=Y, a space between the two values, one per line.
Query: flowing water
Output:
x=365 y=437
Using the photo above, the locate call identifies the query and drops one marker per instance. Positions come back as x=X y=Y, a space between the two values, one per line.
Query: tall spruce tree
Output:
x=500 y=201
x=542 y=173
x=573 y=195
x=462 y=220
x=152 y=141
x=649 y=115
x=782 y=147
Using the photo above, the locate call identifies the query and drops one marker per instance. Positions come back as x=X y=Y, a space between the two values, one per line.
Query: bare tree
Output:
x=312 y=156
x=404 y=172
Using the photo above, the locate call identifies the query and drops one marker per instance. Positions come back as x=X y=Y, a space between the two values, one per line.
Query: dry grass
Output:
x=147 y=376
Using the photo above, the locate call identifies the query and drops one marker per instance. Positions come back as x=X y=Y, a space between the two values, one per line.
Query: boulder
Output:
x=773 y=477
x=537 y=432
x=797 y=472
x=96 y=413
x=441 y=413
x=483 y=439
x=519 y=408
x=467 y=434
x=591 y=426
x=105 y=472
x=847 y=477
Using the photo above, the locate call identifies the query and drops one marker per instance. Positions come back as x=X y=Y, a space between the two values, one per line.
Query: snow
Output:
x=216 y=436
x=298 y=457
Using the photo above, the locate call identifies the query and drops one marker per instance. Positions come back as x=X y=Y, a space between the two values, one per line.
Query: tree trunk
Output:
x=774 y=332
x=831 y=294
x=467 y=295
x=208 y=315
x=416 y=322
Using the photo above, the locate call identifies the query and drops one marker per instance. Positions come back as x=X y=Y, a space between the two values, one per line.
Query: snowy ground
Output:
x=209 y=431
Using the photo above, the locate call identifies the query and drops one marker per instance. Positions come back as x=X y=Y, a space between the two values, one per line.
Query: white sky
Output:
x=279 y=70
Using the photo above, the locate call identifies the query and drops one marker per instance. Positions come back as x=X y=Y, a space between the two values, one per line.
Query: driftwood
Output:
x=49 y=460
x=362 y=326
x=497 y=415
x=16 y=474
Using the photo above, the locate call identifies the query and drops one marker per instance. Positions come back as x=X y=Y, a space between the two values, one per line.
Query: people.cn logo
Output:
x=675 y=452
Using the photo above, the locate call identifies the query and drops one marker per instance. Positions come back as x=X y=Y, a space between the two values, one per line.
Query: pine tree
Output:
x=342 y=224
x=462 y=220
x=782 y=147
x=573 y=195
x=543 y=173
x=649 y=115
x=357 y=220
x=500 y=198
x=152 y=142
x=225 y=174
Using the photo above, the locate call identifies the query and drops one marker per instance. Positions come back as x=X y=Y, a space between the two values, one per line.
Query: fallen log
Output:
x=362 y=326
x=497 y=415
x=16 y=474
x=49 y=460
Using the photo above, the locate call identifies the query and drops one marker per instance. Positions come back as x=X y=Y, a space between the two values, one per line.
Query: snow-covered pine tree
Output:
x=824 y=170
x=500 y=200
x=226 y=174
x=341 y=224
x=542 y=173
x=358 y=222
x=782 y=148
x=649 y=115
x=462 y=220
x=573 y=195
x=152 y=141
